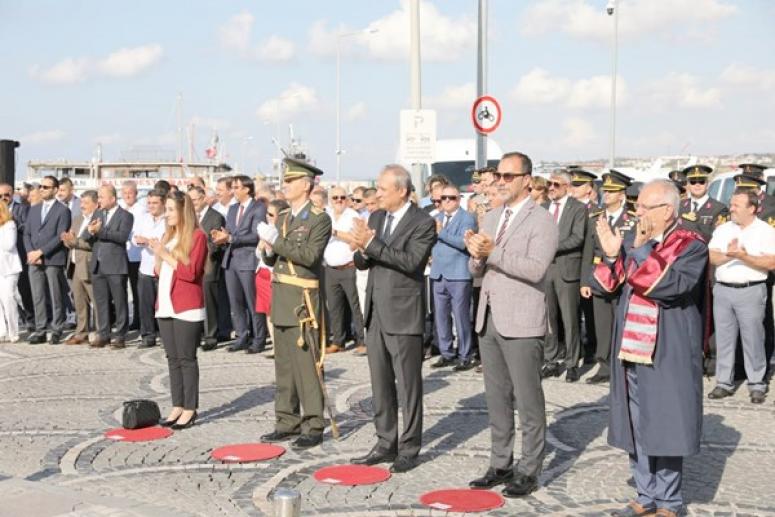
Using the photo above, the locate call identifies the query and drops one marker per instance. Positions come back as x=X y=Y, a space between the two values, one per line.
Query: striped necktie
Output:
x=502 y=230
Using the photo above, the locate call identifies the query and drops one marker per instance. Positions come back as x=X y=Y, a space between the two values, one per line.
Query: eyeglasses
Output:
x=646 y=208
x=356 y=199
x=270 y=214
x=47 y=187
x=436 y=201
x=339 y=198
x=449 y=198
x=6 y=195
x=555 y=184
x=697 y=182
x=476 y=182
x=508 y=177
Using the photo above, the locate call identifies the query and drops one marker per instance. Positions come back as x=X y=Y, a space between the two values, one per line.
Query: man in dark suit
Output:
x=239 y=262
x=395 y=248
x=562 y=279
x=209 y=220
x=47 y=257
x=19 y=210
x=108 y=233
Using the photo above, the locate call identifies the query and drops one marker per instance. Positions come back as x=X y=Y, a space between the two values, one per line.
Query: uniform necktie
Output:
x=239 y=214
x=502 y=230
x=611 y=221
x=556 y=211
x=694 y=204
x=388 y=228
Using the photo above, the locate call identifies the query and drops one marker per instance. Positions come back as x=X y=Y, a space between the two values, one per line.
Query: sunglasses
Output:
x=508 y=177
x=449 y=198
x=47 y=187
x=356 y=200
x=555 y=184
x=270 y=214
x=339 y=198
x=5 y=195
x=697 y=182
x=436 y=201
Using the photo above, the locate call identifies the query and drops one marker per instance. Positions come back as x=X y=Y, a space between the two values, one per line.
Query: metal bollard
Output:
x=287 y=503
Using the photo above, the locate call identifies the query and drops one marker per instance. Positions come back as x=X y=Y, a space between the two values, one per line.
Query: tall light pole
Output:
x=339 y=96
x=415 y=78
x=481 y=80
x=612 y=10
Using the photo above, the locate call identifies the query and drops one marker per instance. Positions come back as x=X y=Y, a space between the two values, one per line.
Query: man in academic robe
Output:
x=656 y=376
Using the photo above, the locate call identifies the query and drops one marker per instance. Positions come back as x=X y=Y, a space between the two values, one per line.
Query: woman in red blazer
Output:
x=180 y=307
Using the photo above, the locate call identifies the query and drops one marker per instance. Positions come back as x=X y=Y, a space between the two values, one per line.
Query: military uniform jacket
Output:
x=302 y=240
x=711 y=214
x=766 y=211
x=593 y=252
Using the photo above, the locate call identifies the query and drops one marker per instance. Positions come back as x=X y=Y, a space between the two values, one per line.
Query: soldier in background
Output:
x=583 y=187
x=678 y=177
x=700 y=212
x=294 y=248
x=752 y=176
x=621 y=219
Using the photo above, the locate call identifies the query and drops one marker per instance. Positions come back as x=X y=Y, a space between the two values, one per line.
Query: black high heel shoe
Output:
x=168 y=423
x=178 y=427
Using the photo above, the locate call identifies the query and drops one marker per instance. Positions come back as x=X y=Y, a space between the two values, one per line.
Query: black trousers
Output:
x=180 y=339
x=605 y=309
x=147 y=287
x=213 y=310
x=341 y=292
x=134 y=272
x=107 y=288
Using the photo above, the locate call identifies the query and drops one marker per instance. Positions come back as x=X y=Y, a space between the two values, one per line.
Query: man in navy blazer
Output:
x=239 y=264
x=452 y=282
x=47 y=257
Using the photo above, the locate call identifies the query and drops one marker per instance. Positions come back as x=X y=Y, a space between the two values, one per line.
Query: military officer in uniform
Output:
x=294 y=247
x=583 y=187
x=752 y=176
x=700 y=212
x=622 y=220
x=678 y=177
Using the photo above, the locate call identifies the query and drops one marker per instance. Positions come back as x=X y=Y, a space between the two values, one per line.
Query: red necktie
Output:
x=556 y=211
x=502 y=230
x=239 y=215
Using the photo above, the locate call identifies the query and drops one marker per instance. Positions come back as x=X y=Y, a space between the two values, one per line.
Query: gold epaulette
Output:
x=317 y=211
x=632 y=213
x=596 y=213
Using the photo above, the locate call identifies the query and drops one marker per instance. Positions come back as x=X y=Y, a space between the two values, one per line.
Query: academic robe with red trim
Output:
x=670 y=389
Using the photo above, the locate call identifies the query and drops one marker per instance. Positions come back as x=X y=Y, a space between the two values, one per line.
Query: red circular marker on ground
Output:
x=462 y=500
x=245 y=452
x=146 y=434
x=352 y=475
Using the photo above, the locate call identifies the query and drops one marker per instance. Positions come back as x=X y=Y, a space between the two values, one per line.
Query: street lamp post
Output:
x=612 y=10
x=339 y=96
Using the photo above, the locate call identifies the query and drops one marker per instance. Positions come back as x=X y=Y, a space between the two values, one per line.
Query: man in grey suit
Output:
x=511 y=254
x=47 y=257
x=394 y=248
x=78 y=267
x=562 y=279
x=240 y=262
x=209 y=219
x=108 y=232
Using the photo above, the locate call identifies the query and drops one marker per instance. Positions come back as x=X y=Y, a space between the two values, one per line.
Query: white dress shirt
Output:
x=397 y=216
x=758 y=238
x=45 y=209
x=221 y=209
x=700 y=202
x=614 y=216
x=149 y=227
x=338 y=252
x=514 y=211
x=165 y=309
x=138 y=211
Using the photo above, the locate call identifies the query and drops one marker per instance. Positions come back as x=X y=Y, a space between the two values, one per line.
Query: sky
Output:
x=694 y=77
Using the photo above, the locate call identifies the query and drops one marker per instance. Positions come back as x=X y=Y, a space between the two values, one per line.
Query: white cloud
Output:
x=578 y=132
x=539 y=87
x=295 y=99
x=453 y=97
x=356 y=112
x=125 y=62
x=41 y=137
x=128 y=62
x=637 y=18
x=682 y=91
x=749 y=77
x=442 y=38
x=236 y=35
x=68 y=71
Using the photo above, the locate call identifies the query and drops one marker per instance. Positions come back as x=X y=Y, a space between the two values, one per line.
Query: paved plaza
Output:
x=57 y=401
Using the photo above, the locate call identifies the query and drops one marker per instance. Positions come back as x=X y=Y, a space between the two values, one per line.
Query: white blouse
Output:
x=10 y=264
x=165 y=309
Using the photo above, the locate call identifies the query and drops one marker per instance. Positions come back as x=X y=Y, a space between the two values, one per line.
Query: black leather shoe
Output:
x=36 y=339
x=403 y=464
x=55 y=339
x=306 y=441
x=520 y=486
x=492 y=478
x=147 y=343
x=598 y=379
x=572 y=374
x=757 y=397
x=179 y=427
x=117 y=344
x=551 y=370
x=443 y=362
x=464 y=366
x=209 y=345
x=719 y=393
x=279 y=436
x=168 y=423
x=236 y=347
x=373 y=457
x=255 y=349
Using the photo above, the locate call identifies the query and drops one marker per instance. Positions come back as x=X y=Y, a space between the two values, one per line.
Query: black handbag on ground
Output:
x=140 y=413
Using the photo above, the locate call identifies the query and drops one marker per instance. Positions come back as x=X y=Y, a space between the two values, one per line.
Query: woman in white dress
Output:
x=10 y=267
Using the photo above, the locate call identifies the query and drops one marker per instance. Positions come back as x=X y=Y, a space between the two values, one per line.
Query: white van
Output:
x=723 y=185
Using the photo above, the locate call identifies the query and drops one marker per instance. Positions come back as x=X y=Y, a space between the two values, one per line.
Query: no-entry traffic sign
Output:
x=486 y=114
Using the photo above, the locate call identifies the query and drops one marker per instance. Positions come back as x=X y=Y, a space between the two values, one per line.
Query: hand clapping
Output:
x=479 y=245
x=610 y=242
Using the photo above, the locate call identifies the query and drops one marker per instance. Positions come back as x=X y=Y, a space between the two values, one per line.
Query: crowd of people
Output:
x=527 y=278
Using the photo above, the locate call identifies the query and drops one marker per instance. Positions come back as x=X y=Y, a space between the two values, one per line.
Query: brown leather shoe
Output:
x=99 y=343
x=117 y=344
x=634 y=509
x=360 y=350
x=664 y=512
x=333 y=349
x=76 y=340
